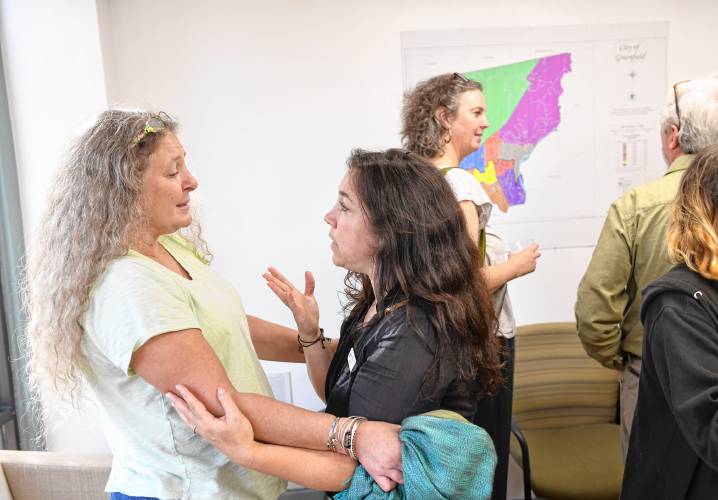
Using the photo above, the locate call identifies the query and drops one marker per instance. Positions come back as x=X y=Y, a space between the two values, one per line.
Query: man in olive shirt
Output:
x=631 y=251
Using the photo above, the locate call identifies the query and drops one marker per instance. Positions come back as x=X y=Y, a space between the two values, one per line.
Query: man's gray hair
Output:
x=698 y=108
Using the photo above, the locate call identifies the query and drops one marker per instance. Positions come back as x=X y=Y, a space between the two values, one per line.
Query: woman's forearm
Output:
x=318 y=470
x=274 y=342
x=281 y=423
x=249 y=417
x=498 y=275
x=318 y=361
x=182 y=362
x=274 y=422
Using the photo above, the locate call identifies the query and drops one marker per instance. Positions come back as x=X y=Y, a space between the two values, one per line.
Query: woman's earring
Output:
x=447 y=140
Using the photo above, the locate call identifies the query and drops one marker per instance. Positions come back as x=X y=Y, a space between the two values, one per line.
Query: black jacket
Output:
x=397 y=368
x=673 y=450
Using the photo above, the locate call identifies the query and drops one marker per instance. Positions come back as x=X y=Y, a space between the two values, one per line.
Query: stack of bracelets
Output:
x=342 y=435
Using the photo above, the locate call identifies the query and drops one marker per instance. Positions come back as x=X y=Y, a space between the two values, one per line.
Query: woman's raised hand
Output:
x=304 y=306
x=231 y=434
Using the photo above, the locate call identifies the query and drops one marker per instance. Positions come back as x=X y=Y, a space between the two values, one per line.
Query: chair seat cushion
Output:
x=582 y=461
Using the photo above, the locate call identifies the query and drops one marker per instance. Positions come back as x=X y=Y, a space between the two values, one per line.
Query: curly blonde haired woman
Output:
x=119 y=297
x=673 y=449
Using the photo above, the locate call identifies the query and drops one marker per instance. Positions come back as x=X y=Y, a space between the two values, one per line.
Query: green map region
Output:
x=522 y=108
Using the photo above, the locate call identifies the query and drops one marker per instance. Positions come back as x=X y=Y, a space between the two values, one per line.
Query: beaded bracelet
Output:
x=308 y=343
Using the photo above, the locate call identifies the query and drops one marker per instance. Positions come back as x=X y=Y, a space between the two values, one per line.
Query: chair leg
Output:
x=525 y=464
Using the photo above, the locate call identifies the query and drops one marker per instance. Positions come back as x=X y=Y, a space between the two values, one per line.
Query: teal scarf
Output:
x=443 y=456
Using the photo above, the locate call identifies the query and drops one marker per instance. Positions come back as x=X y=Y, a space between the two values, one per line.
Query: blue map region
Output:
x=474 y=160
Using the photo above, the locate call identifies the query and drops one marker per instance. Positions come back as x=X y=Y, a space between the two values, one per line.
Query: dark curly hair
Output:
x=426 y=255
x=421 y=132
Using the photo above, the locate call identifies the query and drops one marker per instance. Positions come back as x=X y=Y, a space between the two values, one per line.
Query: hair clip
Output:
x=153 y=125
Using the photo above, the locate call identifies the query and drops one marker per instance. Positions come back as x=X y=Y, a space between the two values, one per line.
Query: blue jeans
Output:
x=122 y=496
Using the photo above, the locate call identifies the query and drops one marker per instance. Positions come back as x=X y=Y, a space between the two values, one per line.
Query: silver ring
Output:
x=194 y=429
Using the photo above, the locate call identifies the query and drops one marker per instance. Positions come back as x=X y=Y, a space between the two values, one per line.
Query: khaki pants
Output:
x=629 y=395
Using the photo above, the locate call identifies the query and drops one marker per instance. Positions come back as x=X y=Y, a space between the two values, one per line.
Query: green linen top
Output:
x=155 y=453
x=631 y=252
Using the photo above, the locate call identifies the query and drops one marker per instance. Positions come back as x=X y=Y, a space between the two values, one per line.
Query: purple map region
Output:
x=537 y=113
x=513 y=188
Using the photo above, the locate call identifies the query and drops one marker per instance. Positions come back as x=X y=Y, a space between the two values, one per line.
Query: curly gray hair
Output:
x=94 y=211
x=421 y=132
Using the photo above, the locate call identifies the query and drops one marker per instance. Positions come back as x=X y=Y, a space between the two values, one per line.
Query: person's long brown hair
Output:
x=425 y=253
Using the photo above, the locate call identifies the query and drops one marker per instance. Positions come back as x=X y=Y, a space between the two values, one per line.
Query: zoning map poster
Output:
x=574 y=117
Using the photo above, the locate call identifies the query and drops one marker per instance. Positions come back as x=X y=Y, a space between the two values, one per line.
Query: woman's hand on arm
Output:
x=378 y=447
x=233 y=436
x=184 y=357
x=305 y=310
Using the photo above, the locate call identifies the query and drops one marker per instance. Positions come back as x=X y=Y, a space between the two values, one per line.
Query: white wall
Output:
x=55 y=81
x=272 y=97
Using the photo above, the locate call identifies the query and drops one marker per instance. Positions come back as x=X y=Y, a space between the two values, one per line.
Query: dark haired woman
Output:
x=443 y=120
x=419 y=333
x=673 y=450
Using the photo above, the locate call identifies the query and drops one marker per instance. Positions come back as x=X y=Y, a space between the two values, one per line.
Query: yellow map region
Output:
x=489 y=174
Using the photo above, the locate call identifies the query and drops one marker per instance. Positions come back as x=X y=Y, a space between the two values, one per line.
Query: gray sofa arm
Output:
x=30 y=475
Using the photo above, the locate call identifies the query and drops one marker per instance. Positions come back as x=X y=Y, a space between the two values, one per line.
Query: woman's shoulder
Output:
x=680 y=288
x=128 y=275
x=131 y=266
x=466 y=187
x=680 y=306
x=410 y=322
x=458 y=177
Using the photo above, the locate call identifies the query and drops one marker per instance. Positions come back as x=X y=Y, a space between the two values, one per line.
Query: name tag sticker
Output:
x=351 y=359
